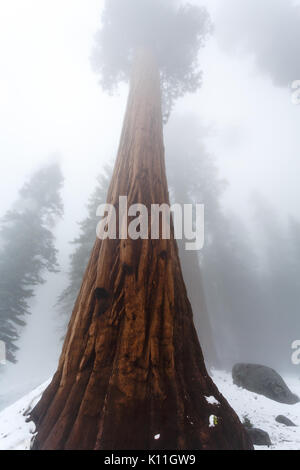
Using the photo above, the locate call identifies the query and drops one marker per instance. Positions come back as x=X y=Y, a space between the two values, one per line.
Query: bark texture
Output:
x=131 y=367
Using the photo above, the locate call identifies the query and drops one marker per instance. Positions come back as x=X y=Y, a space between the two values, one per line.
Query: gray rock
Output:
x=264 y=381
x=284 y=420
x=259 y=437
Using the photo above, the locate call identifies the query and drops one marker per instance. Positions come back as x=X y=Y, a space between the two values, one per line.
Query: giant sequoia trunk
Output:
x=131 y=366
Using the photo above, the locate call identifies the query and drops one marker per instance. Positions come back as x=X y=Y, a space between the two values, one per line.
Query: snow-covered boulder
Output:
x=259 y=437
x=263 y=380
x=284 y=420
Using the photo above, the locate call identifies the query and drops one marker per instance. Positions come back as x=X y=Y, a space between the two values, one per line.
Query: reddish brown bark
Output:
x=131 y=365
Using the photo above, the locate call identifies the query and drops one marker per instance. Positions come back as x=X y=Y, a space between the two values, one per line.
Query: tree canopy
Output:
x=173 y=32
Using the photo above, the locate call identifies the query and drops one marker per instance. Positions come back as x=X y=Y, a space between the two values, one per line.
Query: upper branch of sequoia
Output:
x=174 y=33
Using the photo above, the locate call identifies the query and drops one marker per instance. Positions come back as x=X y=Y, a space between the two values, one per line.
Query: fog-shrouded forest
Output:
x=187 y=102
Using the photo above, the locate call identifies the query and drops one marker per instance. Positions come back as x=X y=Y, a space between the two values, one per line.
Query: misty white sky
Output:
x=51 y=103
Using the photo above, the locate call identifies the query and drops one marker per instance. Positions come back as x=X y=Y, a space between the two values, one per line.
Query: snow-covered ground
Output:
x=262 y=411
x=16 y=434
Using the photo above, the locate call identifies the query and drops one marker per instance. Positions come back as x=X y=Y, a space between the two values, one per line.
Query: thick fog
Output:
x=267 y=30
x=233 y=145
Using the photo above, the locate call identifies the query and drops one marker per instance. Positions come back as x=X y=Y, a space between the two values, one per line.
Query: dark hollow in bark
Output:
x=135 y=370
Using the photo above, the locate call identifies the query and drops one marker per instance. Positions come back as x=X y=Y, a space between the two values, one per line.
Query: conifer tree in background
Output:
x=194 y=181
x=280 y=279
x=27 y=250
x=226 y=322
x=84 y=244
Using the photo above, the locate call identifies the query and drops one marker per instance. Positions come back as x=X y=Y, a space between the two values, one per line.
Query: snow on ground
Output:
x=262 y=411
x=16 y=434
